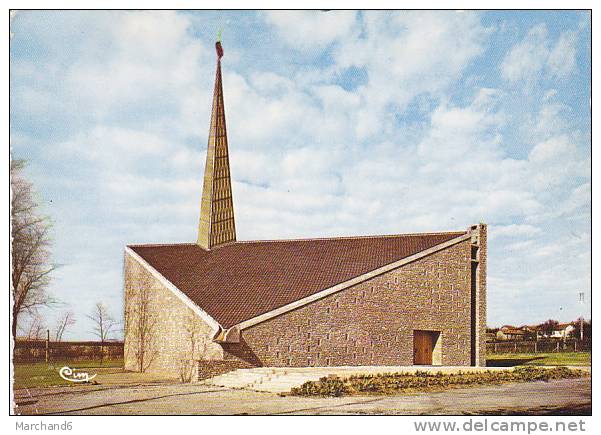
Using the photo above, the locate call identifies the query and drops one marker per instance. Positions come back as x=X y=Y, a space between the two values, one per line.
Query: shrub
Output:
x=391 y=383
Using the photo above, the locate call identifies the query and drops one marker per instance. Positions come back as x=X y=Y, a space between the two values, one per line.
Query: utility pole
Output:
x=581 y=300
x=47 y=345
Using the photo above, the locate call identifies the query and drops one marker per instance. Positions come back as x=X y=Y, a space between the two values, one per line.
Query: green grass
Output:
x=395 y=383
x=32 y=375
x=539 y=359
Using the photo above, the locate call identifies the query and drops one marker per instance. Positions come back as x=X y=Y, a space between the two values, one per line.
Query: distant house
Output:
x=562 y=330
x=530 y=332
x=508 y=332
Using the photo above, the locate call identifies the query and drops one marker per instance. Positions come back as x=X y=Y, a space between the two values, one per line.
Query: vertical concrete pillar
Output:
x=481 y=295
x=478 y=295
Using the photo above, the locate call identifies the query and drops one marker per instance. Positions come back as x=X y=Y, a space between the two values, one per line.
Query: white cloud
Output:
x=579 y=197
x=407 y=54
x=533 y=56
x=555 y=161
x=562 y=58
x=559 y=147
x=527 y=58
x=104 y=143
x=514 y=230
x=311 y=30
x=309 y=157
x=139 y=65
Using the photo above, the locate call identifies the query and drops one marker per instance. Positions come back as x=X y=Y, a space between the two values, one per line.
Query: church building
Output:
x=220 y=303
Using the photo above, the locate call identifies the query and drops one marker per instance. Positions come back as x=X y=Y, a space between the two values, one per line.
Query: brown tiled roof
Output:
x=512 y=330
x=240 y=281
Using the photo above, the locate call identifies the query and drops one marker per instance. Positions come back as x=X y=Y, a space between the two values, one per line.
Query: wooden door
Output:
x=423 y=346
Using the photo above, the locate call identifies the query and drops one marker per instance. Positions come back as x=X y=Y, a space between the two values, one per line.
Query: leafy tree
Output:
x=587 y=329
x=549 y=326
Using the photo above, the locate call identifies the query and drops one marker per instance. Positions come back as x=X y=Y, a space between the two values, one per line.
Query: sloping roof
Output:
x=512 y=330
x=242 y=280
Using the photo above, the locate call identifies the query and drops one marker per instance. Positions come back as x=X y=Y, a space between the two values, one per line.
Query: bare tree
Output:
x=31 y=243
x=103 y=324
x=140 y=323
x=36 y=327
x=197 y=347
x=66 y=320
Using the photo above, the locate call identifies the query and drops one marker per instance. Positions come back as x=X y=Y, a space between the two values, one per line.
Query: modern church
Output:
x=395 y=300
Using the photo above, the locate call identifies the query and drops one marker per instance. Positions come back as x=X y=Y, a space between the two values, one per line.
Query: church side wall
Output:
x=482 y=260
x=175 y=335
x=372 y=323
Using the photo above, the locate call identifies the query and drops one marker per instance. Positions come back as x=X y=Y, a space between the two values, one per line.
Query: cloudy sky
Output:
x=340 y=123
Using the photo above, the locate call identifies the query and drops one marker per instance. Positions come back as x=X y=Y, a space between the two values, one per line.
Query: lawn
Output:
x=539 y=359
x=31 y=375
x=395 y=383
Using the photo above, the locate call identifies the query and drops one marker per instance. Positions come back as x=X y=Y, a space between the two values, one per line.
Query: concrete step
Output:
x=283 y=379
x=269 y=381
x=236 y=379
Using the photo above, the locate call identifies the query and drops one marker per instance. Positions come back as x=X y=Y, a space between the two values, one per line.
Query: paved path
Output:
x=283 y=379
x=538 y=397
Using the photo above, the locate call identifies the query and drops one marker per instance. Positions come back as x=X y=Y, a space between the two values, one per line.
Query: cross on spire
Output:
x=216 y=225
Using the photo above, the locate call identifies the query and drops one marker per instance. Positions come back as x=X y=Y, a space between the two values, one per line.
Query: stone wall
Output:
x=175 y=338
x=211 y=368
x=372 y=323
x=482 y=264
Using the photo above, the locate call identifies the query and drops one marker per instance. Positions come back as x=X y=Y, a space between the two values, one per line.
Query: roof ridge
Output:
x=375 y=236
x=307 y=239
x=151 y=245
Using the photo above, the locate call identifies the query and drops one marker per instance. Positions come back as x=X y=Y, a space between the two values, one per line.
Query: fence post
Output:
x=515 y=347
x=535 y=347
x=47 y=344
x=495 y=347
x=557 y=347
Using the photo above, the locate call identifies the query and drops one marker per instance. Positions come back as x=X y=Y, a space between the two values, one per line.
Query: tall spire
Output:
x=216 y=226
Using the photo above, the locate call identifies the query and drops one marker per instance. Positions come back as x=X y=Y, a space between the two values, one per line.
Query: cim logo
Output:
x=69 y=374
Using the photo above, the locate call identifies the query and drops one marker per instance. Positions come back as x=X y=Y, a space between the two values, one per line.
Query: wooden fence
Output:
x=35 y=350
x=543 y=346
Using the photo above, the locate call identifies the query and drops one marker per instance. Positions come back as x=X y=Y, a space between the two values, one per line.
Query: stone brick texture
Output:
x=482 y=264
x=372 y=323
x=179 y=337
x=211 y=368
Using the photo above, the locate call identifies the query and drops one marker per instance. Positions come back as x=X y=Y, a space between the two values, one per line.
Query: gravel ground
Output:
x=561 y=397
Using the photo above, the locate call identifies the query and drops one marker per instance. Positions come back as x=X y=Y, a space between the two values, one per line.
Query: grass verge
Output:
x=539 y=359
x=32 y=375
x=394 y=383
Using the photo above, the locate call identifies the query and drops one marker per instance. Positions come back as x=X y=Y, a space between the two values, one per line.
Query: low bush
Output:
x=391 y=383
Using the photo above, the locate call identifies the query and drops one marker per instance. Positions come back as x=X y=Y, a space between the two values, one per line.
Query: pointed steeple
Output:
x=217 y=226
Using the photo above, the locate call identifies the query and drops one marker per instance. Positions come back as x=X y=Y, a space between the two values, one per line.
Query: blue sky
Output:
x=340 y=123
